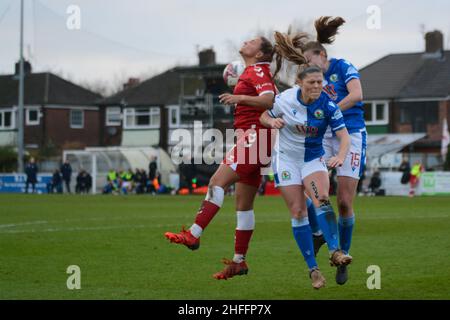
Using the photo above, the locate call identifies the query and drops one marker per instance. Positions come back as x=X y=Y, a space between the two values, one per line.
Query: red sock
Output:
x=241 y=240
x=207 y=211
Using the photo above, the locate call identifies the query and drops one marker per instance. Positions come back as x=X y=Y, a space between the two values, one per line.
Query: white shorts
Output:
x=289 y=172
x=355 y=161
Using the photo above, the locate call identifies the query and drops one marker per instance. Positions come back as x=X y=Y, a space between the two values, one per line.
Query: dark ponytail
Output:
x=327 y=28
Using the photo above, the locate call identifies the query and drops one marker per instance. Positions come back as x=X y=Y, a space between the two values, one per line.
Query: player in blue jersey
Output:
x=343 y=86
x=303 y=114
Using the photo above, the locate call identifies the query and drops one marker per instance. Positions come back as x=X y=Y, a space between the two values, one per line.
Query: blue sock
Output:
x=312 y=216
x=327 y=222
x=345 y=232
x=303 y=236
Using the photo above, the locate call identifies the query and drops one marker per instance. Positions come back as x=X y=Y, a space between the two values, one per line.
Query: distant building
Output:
x=147 y=113
x=56 y=111
x=409 y=93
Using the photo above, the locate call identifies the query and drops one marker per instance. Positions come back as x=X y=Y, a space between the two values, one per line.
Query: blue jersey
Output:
x=339 y=73
x=305 y=125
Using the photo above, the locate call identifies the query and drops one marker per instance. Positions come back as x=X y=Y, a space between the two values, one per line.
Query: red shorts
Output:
x=250 y=154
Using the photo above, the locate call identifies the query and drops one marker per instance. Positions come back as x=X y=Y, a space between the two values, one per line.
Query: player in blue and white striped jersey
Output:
x=343 y=86
x=303 y=115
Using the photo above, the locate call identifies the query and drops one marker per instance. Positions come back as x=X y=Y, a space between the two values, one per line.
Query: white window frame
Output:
x=170 y=110
x=76 y=126
x=384 y=121
x=13 y=119
x=37 y=122
x=152 y=111
x=113 y=110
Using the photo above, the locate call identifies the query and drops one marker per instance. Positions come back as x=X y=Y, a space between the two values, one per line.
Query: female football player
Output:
x=253 y=94
x=303 y=114
x=343 y=86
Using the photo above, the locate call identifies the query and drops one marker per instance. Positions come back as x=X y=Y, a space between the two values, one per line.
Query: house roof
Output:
x=165 y=88
x=407 y=76
x=44 y=88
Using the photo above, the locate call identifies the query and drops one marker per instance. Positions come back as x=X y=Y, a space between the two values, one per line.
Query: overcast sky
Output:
x=119 y=38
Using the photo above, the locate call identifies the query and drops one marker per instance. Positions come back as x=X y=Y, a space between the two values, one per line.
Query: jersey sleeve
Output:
x=335 y=117
x=348 y=71
x=262 y=81
x=277 y=109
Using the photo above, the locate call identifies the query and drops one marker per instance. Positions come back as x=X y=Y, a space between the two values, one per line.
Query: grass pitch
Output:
x=118 y=244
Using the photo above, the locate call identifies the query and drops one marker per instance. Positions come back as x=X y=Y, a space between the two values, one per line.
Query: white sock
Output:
x=238 y=258
x=196 y=230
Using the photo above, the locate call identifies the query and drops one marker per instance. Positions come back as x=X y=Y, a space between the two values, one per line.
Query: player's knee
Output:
x=324 y=200
x=344 y=205
x=215 y=195
x=297 y=211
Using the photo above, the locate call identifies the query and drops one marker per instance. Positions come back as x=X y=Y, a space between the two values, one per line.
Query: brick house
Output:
x=145 y=114
x=409 y=93
x=56 y=112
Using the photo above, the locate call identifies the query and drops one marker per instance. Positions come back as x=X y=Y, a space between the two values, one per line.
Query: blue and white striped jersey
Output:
x=305 y=125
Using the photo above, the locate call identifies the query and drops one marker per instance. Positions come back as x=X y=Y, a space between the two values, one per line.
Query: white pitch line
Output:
x=88 y=228
x=12 y=225
x=4 y=226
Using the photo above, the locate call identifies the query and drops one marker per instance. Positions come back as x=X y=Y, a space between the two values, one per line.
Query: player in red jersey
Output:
x=253 y=94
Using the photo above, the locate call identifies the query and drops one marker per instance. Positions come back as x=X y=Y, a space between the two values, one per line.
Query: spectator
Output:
x=375 y=183
x=414 y=179
x=152 y=167
x=31 y=171
x=188 y=172
x=84 y=182
x=137 y=181
x=112 y=184
x=406 y=169
x=88 y=182
x=127 y=181
x=140 y=181
x=55 y=183
x=66 y=171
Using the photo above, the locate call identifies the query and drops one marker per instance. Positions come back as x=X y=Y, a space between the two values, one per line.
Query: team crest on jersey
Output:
x=334 y=77
x=286 y=175
x=319 y=114
x=294 y=112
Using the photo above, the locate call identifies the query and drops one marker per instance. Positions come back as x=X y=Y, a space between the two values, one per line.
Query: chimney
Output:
x=434 y=42
x=207 y=57
x=26 y=68
x=132 y=82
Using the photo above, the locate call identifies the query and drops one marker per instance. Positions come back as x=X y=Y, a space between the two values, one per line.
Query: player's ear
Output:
x=259 y=55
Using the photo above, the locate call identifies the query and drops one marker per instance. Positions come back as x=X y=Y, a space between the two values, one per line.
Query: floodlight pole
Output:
x=20 y=133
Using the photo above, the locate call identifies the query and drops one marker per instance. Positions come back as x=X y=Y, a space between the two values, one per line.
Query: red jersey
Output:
x=256 y=80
